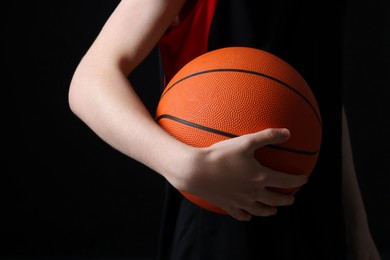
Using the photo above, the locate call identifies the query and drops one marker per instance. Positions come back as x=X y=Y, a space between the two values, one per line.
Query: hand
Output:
x=361 y=244
x=228 y=175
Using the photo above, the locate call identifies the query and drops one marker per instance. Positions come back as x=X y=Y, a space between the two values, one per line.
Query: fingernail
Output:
x=285 y=132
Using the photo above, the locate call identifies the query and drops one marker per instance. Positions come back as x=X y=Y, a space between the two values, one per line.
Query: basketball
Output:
x=233 y=91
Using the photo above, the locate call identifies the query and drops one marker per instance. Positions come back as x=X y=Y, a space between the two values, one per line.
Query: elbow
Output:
x=77 y=98
x=74 y=96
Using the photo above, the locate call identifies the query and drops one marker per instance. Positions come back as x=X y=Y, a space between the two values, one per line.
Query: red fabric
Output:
x=188 y=39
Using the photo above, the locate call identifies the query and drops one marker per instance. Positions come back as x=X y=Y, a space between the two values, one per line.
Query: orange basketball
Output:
x=235 y=91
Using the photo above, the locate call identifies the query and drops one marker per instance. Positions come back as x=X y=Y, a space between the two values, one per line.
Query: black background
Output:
x=65 y=193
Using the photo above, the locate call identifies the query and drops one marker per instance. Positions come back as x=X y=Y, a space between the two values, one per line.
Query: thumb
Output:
x=271 y=136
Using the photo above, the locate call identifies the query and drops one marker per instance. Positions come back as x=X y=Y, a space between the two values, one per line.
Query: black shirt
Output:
x=308 y=35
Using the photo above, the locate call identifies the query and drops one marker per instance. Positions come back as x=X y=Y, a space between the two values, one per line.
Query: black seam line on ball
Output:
x=226 y=134
x=254 y=73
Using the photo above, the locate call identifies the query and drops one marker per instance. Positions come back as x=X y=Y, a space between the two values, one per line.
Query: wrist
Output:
x=181 y=166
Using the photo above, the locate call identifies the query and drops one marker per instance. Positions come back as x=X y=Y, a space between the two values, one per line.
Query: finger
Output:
x=239 y=214
x=274 y=199
x=270 y=136
x=278 y=179
x=261 y=210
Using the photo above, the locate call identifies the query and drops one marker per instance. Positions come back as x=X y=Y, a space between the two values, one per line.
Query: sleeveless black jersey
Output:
x=307 y=35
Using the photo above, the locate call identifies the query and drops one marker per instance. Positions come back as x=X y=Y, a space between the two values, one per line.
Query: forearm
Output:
x=104 y=99
x=353 y=203
x=360 y=242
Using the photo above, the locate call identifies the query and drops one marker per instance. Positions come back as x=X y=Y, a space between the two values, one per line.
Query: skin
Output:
x=360 y=241
x=226 y=173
